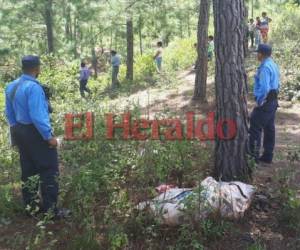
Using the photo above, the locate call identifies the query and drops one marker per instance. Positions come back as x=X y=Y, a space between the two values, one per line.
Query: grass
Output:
x=2 y=99
x=257 y=246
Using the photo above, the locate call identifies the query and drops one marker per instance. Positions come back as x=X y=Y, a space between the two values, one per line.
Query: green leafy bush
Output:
x=290 y=212
x=9 y=205
x=284 y=30
x=144 y=67
x=180 y=54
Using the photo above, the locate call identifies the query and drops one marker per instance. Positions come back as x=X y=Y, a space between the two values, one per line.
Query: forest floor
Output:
x=262 y=223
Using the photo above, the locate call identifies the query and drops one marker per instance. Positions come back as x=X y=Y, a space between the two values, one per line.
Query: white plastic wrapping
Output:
x=229 y=199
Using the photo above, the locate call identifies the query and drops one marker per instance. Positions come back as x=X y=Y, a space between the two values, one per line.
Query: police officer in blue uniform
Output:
x=27 y=112
x=262 y=120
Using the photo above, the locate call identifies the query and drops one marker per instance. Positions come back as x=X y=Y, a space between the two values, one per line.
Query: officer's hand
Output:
x=53 y=142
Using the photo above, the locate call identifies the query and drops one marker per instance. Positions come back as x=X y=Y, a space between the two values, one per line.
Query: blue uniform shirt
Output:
x=29 y=105
x=116 y=60
x=267 y=78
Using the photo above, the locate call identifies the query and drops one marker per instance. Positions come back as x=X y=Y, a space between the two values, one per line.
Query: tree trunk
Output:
x=180 y=26
x=246 y=38
x=202 y=47
x=94 y=59
x=189 y=24
x=140 y=34
x=111 y=38
x=129 y=72
x=94 y=62
x=68 y=24
x=75 y=37
x=115 y=46
x=231 y=81
x=49 y=25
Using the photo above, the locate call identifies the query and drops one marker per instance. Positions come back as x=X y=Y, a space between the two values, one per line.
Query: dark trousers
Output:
x=83 y=87
x=115 y=80
x=39 y=166
x=263 y=120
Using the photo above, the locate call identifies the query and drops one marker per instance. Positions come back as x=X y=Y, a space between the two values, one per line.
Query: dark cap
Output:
x=264 y=49
x=113 y=52
x=30 y=62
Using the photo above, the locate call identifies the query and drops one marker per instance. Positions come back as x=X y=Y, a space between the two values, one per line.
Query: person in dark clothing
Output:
x=266 y=88
x=115 y=63
x=27 y=112
x=83 y=79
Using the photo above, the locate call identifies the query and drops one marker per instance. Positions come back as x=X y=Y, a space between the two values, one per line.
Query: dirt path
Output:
x=157 y=99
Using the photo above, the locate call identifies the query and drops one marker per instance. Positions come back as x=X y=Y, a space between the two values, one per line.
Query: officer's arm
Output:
x=263 y=88
x=9 y=111
x=38 y=111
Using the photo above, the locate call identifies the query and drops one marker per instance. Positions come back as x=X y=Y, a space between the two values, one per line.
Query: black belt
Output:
x=25 y=125
x=272 y=95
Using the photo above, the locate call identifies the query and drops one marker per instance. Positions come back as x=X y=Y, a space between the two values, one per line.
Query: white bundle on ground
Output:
x=169 y=206
x=230 y=199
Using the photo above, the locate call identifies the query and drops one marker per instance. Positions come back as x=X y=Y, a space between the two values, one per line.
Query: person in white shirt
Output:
x=251 y=30
x=257 y=32
x=211 y=48
x=158 y=56
x=264 y=27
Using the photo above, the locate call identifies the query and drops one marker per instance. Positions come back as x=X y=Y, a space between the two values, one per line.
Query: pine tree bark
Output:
x=129 y=72
x=202 y=47
x=231 y=81
x=75 y=37
x=49 y=25
x=140 y=34
x=246 y=38
x=189 y=23
x=94 y=59
x=68 y=24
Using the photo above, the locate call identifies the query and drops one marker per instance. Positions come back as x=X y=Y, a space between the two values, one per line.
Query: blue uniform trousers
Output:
x=37 y=159
x=263 y=120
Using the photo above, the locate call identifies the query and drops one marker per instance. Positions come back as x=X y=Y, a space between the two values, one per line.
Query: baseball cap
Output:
x=29 y=62
x=264 y=49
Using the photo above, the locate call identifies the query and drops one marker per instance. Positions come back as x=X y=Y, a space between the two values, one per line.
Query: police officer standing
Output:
x=27 y=112
x=267 y=83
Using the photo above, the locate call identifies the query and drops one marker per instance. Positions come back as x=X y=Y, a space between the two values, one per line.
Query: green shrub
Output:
x=284 y=30
x=290 y=212
x=144 y=67
x=180 y=54
x=9 y=204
